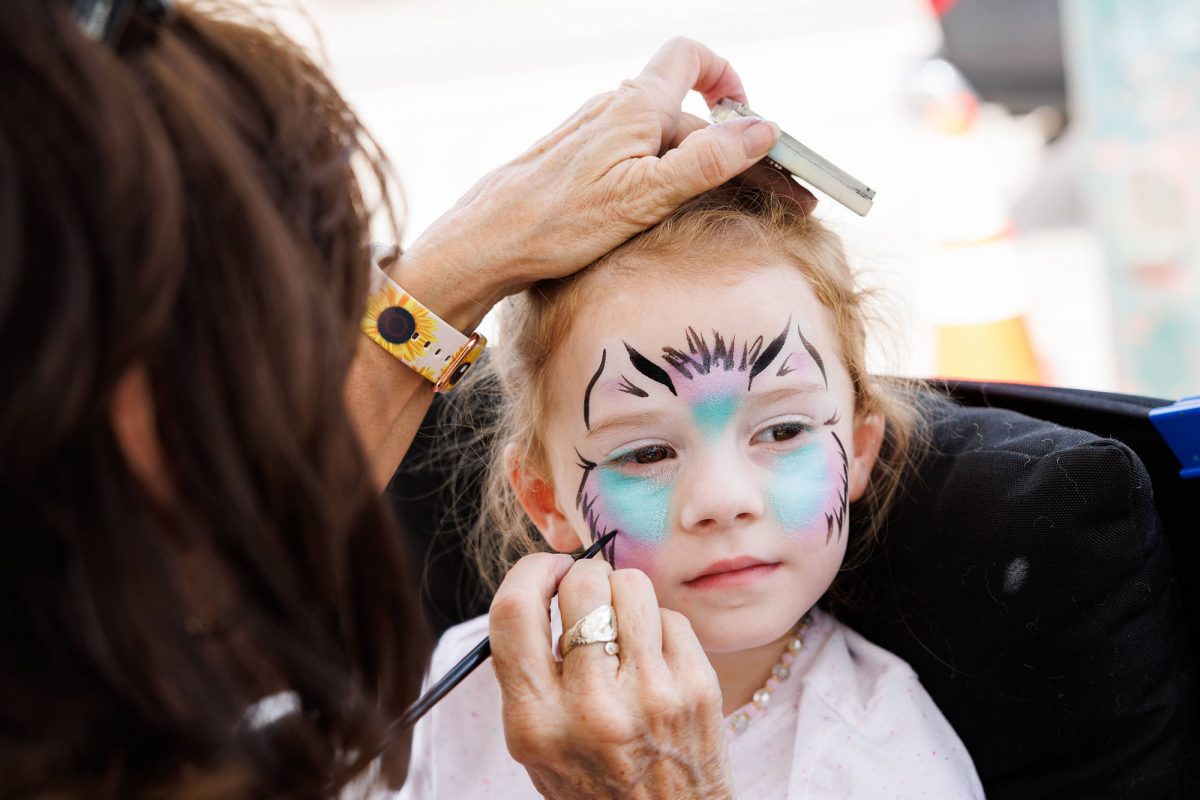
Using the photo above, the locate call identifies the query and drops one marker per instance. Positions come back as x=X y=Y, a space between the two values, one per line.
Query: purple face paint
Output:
x=703 y=389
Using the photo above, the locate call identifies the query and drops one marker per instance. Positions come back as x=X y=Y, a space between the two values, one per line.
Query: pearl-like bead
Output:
x=780 y=672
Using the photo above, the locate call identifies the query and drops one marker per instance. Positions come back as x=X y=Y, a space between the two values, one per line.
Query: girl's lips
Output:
x=732 y=574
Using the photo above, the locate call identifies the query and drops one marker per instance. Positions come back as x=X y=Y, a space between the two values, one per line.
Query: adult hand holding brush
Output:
x=644 y=723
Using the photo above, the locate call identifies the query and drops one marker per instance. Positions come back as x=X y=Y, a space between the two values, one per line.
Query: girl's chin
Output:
x=734 y=632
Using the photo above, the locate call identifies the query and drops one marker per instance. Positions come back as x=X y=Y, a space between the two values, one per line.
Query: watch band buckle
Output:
x=467 y=355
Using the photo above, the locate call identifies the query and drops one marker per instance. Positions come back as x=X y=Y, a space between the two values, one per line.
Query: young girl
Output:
x=702 y=391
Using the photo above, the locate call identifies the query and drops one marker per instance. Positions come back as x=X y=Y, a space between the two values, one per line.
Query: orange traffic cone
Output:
x=987 y=351
x=972 y=292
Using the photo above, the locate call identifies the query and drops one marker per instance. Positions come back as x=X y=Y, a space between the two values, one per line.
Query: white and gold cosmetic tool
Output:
x=810 y=167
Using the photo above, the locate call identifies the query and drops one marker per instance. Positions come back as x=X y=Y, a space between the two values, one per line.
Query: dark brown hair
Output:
x=189 y=204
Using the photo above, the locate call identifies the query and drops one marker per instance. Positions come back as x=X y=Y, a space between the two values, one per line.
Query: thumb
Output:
x=711 y=156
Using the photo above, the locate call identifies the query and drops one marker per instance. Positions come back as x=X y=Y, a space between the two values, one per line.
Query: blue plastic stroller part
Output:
x=1179 y=425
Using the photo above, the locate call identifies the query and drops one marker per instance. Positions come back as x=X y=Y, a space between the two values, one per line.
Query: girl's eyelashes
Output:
x=782 y=431
x=649 y=454
x=777 y=432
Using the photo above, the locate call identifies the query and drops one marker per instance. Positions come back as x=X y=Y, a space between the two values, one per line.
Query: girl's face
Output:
x=712 y=425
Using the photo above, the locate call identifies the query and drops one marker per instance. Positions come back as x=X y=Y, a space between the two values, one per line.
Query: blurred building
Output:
x=455 y=88
x=1135 y=92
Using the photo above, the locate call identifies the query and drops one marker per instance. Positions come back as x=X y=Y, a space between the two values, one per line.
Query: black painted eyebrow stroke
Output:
x=587 y=465
x=784 y=369
x=650 y=369
x=586 y=505
x=702 y=359
x=843 y=505
x=816 y=356
x=630 y=388
x=587 y=395
x=767 y=356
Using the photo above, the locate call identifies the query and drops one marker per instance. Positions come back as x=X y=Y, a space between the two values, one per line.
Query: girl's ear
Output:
x=537 y=497
x=868 y=438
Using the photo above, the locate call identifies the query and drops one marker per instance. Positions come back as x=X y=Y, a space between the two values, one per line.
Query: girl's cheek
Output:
x=639 y=508
x=803 y=492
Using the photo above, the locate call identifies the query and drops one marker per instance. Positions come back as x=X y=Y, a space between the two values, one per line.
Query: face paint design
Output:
x=816 y=356
x=628 y=388
x=701 y=359
x=587 y=395
x=799 y=486
x=842 y=508
x=651 y=370
x=639 y=506
x=712 y=414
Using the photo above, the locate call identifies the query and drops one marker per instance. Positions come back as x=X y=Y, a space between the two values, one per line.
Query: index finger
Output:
x=519 y=625
x=682 y=65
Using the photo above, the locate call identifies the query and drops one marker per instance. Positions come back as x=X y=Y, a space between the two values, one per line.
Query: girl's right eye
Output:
x=651 y=454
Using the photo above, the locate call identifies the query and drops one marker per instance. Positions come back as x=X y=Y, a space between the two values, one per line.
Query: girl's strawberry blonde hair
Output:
x=516 y=378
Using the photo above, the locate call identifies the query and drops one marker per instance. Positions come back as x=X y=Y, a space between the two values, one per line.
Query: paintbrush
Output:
x=480 y=653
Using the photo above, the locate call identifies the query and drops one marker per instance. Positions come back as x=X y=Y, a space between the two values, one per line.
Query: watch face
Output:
x=396 y=325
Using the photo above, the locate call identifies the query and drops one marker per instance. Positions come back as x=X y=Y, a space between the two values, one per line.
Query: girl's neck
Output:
x=744 y=672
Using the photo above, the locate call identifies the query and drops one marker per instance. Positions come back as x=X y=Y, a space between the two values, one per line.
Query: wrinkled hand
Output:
x=620 y=164
x=643 y=725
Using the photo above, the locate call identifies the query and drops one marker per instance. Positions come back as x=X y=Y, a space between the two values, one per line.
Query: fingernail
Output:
x=759 y=138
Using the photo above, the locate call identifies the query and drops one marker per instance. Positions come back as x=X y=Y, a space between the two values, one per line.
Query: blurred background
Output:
x=1036 y=162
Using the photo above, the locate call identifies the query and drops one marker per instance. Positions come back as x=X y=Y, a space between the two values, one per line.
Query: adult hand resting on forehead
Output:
x=620 y=164
x=646 y=726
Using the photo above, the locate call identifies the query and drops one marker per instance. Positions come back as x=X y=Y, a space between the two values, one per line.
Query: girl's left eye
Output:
x=782 y=431
x=651 y=454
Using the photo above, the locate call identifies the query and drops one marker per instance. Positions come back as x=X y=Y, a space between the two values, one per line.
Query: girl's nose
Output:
x=721 y=492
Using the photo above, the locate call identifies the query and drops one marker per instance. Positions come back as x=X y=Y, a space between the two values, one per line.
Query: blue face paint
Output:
x=713 y=413
x=799 y=487
x=638 y=507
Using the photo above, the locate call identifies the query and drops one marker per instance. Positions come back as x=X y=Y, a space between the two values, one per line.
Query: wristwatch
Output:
x=406 y=328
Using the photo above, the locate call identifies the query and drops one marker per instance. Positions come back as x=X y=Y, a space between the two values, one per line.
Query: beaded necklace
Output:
x=741 y=719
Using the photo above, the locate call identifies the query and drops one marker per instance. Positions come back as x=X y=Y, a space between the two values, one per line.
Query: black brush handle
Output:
x=480 y=653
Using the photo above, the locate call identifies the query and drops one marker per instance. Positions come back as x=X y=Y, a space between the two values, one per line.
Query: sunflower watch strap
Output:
x=403 y=326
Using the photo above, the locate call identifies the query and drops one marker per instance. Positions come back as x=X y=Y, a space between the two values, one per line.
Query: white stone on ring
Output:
x=598 y=626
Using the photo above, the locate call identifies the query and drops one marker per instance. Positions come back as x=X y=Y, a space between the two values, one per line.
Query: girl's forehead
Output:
x=667 y=318
x=705 y=347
